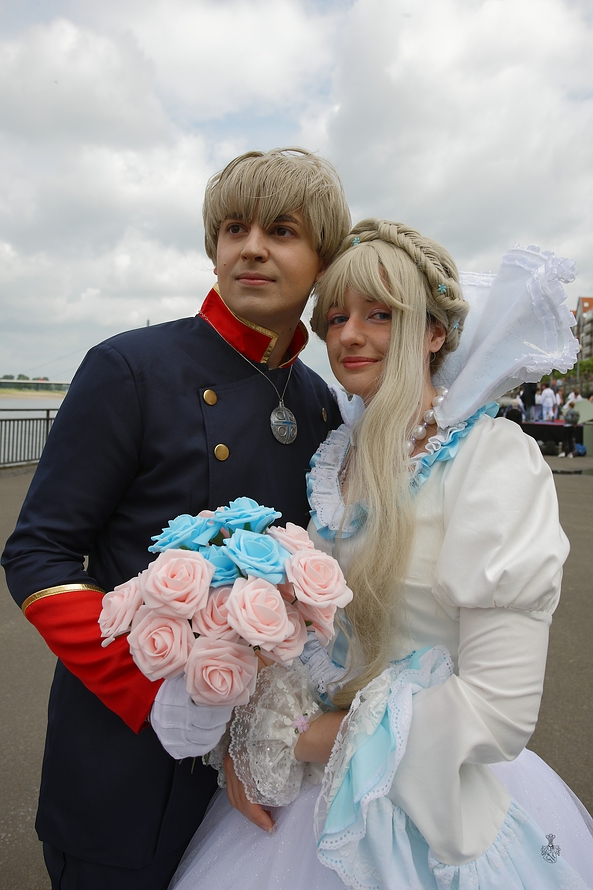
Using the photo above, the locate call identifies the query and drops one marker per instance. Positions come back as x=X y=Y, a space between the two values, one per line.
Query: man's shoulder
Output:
x=310 y=377
x=312 y=384
x=141 y=340
x=156 y=350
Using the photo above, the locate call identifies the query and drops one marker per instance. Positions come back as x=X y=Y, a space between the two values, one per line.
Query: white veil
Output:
x=518 y=329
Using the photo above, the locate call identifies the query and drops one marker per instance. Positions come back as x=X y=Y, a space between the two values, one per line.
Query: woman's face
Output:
x=357 y=341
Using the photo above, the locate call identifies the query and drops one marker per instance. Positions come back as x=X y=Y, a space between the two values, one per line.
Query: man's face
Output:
x=266 y=275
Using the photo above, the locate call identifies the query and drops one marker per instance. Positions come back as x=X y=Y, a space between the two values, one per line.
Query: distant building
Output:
x=584 y=329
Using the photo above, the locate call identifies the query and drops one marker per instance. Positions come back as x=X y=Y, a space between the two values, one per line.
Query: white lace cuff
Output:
x=215 y=757
x=264 y=733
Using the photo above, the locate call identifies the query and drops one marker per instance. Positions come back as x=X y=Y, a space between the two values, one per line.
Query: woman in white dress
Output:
x=446 y=523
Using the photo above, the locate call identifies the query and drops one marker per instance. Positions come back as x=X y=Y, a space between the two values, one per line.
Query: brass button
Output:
x=221 y=452
x=324 y=415
x=210 y=397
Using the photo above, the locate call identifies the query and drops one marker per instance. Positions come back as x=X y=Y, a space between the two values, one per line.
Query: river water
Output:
x=35 y=404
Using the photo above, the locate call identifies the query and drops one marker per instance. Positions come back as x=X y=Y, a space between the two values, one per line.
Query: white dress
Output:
x=484 y=579
x=428 y=786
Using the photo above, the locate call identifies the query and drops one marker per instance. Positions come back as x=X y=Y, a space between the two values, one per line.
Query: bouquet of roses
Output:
x=225 y=584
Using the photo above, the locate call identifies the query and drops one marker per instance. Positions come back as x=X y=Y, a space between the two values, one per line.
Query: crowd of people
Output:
x=547 y=401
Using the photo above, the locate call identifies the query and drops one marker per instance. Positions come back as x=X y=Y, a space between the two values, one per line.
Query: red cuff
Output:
x=69 y=623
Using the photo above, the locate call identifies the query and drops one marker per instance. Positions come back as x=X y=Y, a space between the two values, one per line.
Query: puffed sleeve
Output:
x=500 y=567
x=503 y=544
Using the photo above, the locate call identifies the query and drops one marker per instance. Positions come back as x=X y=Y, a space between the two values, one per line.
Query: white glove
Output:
x=185 y=729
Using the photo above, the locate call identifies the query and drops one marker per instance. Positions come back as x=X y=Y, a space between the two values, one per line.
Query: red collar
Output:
x=251 y=340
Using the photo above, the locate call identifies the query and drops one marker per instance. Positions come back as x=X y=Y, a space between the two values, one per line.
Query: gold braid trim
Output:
x=53 y=591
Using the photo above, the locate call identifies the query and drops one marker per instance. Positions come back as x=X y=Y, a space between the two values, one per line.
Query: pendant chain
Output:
x=282 y=421
x=265 y=376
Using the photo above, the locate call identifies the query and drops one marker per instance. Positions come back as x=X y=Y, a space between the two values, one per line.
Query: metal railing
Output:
x=22 y=438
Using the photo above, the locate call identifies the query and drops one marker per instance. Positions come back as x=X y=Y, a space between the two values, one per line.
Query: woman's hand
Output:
x=238 y=799
x=315 y=745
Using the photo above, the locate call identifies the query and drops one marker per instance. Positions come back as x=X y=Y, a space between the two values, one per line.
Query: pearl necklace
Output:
x=419 y=432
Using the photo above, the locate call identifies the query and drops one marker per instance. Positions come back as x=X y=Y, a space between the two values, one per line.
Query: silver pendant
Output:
x=283 y=424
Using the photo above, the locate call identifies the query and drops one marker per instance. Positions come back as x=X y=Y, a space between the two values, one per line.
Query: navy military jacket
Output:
x=132 y=447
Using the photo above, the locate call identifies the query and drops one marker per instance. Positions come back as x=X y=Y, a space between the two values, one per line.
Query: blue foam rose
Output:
x=258 y=555
x=226 y=572
x=244 y=512
x=185 y=532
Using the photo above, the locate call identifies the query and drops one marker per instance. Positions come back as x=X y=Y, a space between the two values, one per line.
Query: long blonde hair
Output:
x=418 y=280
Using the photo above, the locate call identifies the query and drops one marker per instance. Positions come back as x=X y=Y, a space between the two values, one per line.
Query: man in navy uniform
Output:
x=161 y=421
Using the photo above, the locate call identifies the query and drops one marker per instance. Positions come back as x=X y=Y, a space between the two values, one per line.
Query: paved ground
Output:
x=26 y=669
x=563 y=736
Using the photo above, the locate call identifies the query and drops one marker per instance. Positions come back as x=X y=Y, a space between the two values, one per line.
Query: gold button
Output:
x=324 y=415
x=221 y=452
x=210 y=397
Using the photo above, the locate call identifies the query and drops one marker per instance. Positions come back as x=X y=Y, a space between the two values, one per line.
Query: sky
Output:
x=471 y=120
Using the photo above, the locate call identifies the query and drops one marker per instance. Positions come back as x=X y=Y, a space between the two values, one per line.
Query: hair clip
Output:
x=455 y=326
x=355 y=241
x=442 y=288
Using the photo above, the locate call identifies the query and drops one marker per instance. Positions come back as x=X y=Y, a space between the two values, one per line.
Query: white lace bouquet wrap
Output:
x=225 y=584
x=263 y=735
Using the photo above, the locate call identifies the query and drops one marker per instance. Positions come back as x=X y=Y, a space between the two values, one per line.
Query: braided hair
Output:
x=444 y=299
x=416 y=278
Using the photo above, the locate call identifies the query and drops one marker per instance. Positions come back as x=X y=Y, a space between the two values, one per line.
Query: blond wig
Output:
x=266 y=185
x=418 y=280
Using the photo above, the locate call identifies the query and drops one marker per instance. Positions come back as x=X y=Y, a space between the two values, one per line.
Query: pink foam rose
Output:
x=257 y=612
x=293 y=538
x=212 y=620
x=293 y=645
x=220 y=672
x=319 y=619
x=119 y=607
x=317 y=579
x=177 y=583
x=160 y=645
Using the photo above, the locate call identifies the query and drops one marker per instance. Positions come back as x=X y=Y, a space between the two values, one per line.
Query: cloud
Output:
x=60 y=82
x=136 y=279
x=78 y=201
x=212 y=58
x=471 y=121
x=472 y=125
x=104 y=166
x=111 y=238
x=92 y=298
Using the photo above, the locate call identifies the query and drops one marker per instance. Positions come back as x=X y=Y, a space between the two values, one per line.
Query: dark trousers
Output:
x=569 y=441
x=68 y=873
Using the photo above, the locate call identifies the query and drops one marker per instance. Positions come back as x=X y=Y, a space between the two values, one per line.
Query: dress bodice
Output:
x=483 y=477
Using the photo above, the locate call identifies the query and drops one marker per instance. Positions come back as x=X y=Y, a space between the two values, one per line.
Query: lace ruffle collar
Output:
x=323 y=484
x=445 y=444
